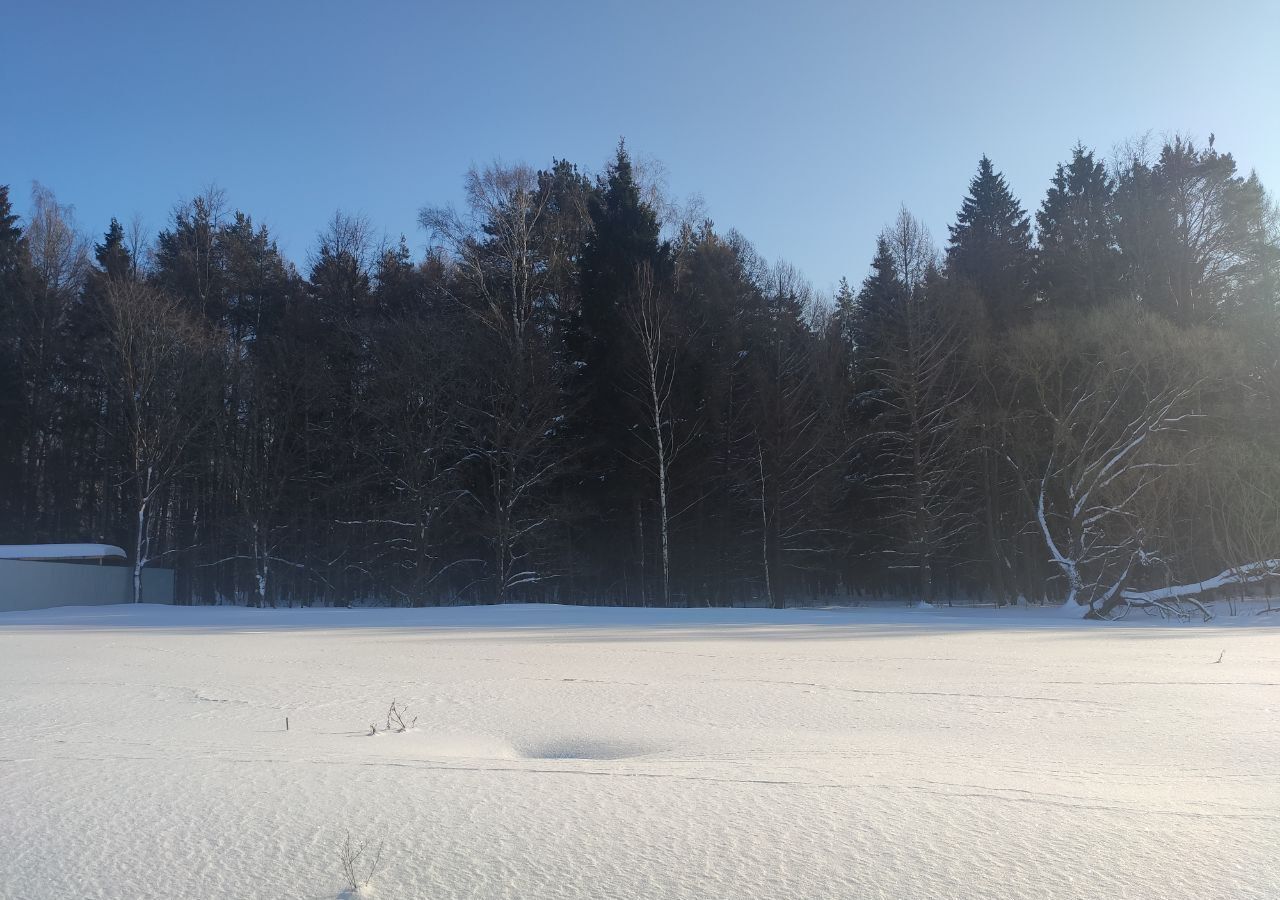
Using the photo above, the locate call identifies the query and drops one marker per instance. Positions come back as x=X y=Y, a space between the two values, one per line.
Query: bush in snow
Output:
x=398 y=720
x=360 y=864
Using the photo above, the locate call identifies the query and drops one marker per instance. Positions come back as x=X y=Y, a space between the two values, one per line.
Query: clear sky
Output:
x=803 y=124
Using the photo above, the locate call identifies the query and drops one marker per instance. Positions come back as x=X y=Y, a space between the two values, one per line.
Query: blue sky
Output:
x=803 y=124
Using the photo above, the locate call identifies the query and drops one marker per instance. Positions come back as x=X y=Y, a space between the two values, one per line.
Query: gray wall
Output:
x=26 y=584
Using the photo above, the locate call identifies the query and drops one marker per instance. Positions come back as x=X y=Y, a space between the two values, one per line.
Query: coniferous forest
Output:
x=579 y=394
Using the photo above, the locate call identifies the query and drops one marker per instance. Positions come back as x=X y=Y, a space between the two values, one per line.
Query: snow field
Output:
x=606 y=753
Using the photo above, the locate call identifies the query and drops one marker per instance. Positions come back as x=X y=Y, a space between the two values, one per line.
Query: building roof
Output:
x=55 y=552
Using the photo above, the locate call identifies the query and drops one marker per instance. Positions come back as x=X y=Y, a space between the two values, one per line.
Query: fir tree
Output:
x=843 y=315
x=624 y=240
x=990 y=247
x=13 y=257
x=11 y=246
x=1079 y=261
x=881 y=292
x=114 y=258
x=398 y=289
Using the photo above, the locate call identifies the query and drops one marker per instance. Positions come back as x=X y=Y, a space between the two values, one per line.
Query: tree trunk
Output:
x=764 y=535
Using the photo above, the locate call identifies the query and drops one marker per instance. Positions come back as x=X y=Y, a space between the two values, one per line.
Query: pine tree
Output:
x=568 y=192
x=1078 y=260
x=1197 y=239
x=188 y=255
x=990 y=247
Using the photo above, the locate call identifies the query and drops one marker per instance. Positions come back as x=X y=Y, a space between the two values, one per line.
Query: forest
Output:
x=581 y=393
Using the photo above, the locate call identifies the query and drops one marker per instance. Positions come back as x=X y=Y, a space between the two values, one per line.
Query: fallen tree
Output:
x=1169 y=600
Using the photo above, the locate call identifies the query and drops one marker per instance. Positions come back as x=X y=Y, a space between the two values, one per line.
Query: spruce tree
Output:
x=624 y=239
x=881 y=292
x=1079 y=260
x=13 y=257
x=13 y=264
x=843 y=313
x=397 y=285
x=112 y=255
x=11 y=251
x=990 y=247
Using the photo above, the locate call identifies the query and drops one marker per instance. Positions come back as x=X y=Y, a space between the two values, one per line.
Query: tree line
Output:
x=580 y=395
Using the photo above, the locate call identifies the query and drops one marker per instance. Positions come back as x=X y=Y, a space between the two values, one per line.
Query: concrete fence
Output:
x=26 y=584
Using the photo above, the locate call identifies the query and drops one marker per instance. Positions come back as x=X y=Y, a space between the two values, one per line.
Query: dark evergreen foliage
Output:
x=1078 y=263
x=570 y=399
x=990 y=247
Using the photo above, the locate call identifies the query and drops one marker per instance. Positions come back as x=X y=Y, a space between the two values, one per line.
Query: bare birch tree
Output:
x=652 y=379
x=499 y=245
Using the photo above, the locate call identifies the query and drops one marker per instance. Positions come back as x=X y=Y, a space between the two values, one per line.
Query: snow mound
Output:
x=1072 y=610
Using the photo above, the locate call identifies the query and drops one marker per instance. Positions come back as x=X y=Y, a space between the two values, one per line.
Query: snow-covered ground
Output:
x=605 y=753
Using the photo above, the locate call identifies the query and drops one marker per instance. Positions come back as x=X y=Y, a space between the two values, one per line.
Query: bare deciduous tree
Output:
x=1098 y=408
x=510 y=446
x=917 y=431
x=503 y=247
x=500 y=245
